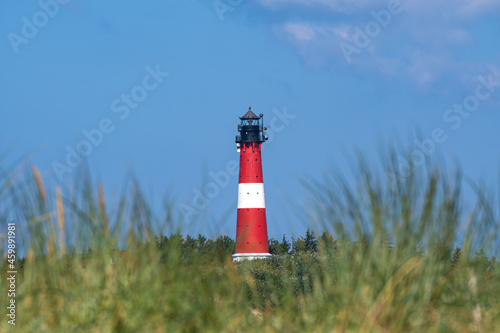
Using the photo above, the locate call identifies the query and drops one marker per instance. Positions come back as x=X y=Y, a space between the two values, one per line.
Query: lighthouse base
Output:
x=250 y=256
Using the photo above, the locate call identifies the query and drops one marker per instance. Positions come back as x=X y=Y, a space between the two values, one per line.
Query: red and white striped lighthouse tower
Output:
x=251 y=226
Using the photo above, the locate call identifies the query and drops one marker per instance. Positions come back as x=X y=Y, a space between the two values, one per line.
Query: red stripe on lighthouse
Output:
x=251 y=231
x=250 y=163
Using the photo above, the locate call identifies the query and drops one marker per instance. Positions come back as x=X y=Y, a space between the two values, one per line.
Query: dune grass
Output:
x=392 y=266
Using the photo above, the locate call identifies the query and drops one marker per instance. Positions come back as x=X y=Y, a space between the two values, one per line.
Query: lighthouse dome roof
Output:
x=249 y=115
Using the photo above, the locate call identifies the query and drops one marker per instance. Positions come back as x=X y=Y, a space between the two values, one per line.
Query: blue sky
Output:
x=194 y=67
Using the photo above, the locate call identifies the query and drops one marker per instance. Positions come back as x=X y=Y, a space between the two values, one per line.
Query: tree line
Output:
x=224 y=246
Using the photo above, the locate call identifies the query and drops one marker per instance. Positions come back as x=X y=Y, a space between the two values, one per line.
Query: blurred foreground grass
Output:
x=393 y=266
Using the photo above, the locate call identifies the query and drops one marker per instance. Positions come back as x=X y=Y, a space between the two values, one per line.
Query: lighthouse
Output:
x=251 y=226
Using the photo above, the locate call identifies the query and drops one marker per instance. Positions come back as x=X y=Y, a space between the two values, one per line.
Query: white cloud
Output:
x=421 y=42
x=341 y=31
x=450 y=8
x=301 y=32
x=341 y=6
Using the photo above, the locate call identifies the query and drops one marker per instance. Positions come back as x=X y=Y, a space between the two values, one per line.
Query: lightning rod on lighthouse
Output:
x=251 y=225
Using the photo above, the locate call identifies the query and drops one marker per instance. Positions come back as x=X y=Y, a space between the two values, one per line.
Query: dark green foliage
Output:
x=455 y=258
x=224 y=247
x=284 y=246
x=276 y=247
x=311 y=243
x=189 y=246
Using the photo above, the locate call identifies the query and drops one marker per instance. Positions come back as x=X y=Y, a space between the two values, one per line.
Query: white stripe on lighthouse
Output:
x=251 y=195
